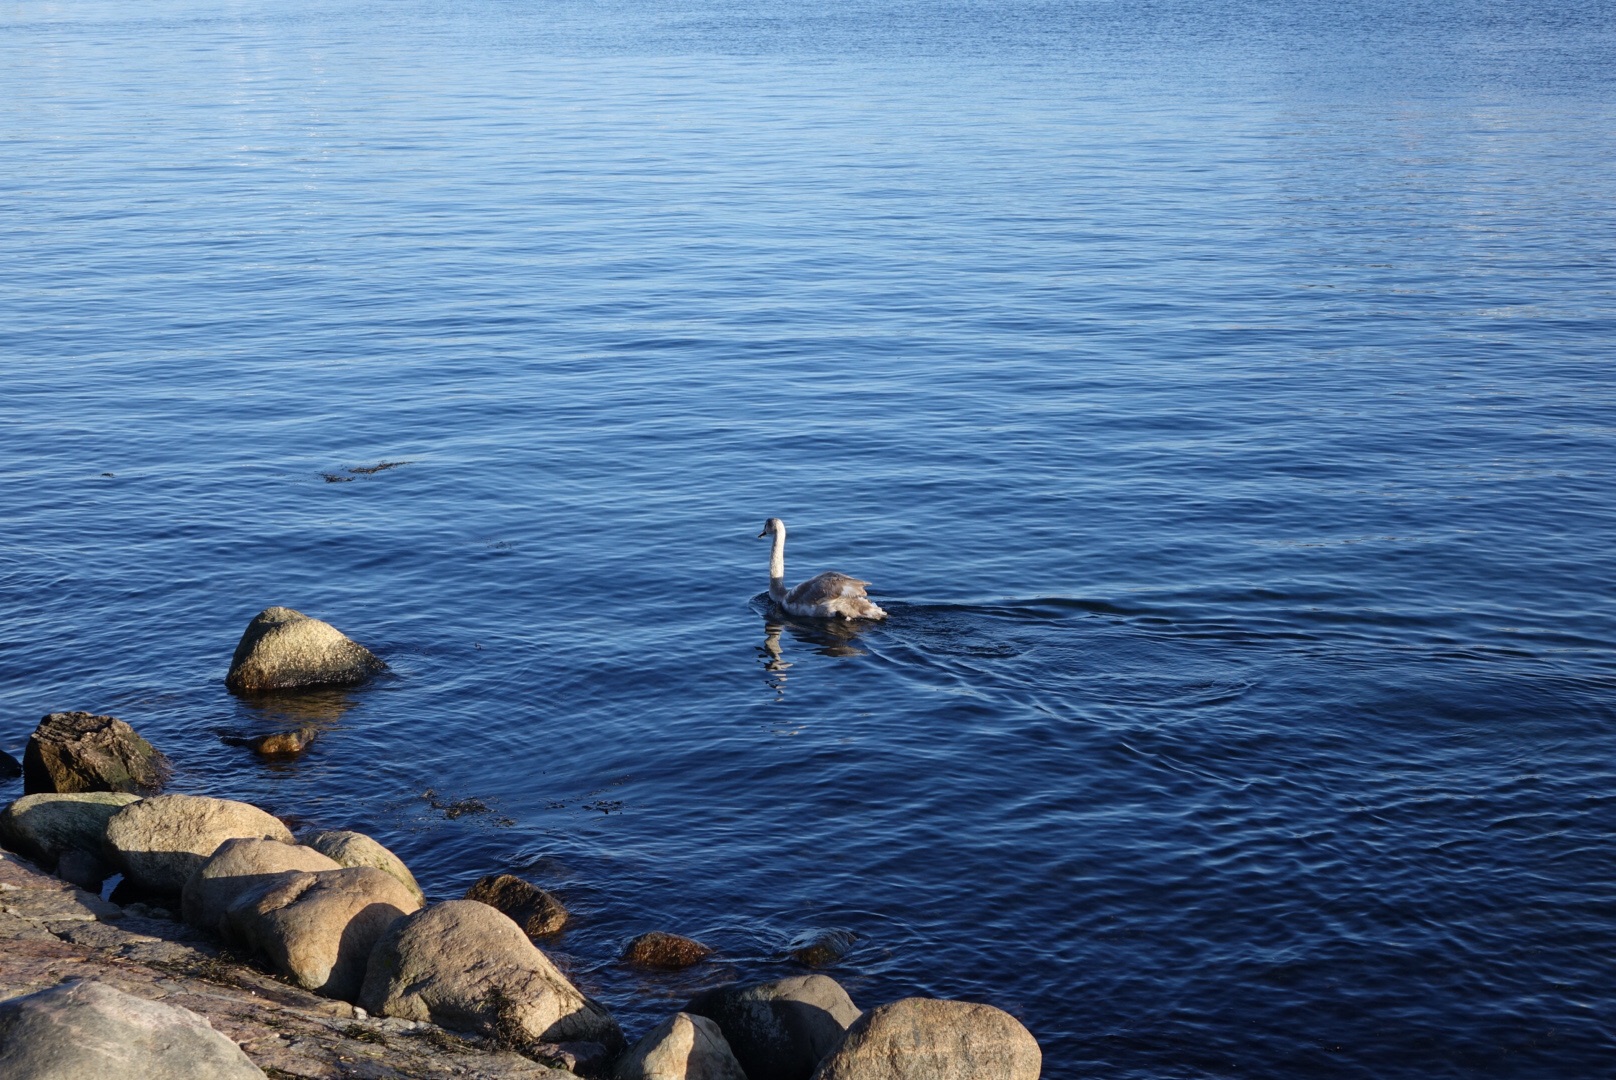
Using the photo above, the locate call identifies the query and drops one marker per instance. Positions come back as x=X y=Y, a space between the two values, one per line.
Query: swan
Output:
x=826 y=596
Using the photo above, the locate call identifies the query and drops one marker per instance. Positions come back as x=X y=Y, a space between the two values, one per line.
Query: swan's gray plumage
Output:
x=825 y=596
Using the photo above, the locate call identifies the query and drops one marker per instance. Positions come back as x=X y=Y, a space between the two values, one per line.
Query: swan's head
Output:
x=772 y=526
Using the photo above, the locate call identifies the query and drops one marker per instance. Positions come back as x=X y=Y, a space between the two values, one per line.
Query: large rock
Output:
x=682 y=1047
x=239 y=867
x=161 y=841
x=45 y=827
x=80 y=751
x=318 y=929
x=89 y=1031
x=535 y=911
x=779 y=1030
x=356 y=849
x=284 y=649
x=462 y=964
x=927 y=1039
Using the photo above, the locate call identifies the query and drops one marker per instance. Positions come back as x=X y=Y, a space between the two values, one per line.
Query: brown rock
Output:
x=534 y=910
x=822 y=948
x=318 y=928
x=284 y=743
x=80 y=751
x=927 y=1039
x=670 y=951
x=283 y=649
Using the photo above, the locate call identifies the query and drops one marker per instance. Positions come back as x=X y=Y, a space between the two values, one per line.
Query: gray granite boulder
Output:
x=90 y=1031
x=779 y=1030
x=318 y=929
x=238 y=867
x=534 y=910
x=927 y=1039
x=283 y=649
x=462 y=964
x=682 y=1047
x=348 y=848
x=161 y=841
x=44 y=827
x=80 y=751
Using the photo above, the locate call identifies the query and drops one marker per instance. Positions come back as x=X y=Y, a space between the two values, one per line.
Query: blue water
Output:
x=1220 y=397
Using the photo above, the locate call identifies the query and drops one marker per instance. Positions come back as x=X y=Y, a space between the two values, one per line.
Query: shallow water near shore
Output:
x=1219 y=398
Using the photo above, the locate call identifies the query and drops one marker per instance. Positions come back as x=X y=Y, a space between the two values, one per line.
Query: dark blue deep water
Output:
x=1220 y=395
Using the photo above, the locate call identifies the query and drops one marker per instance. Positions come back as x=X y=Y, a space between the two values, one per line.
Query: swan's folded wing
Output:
x=826 y=587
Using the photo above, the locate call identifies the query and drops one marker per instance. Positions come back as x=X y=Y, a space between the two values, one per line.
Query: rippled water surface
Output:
x=1220 y=397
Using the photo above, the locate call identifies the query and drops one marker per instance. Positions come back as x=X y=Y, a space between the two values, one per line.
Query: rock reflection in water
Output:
x=299 y=718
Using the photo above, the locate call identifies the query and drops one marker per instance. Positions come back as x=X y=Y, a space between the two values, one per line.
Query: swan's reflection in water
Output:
x=826 y=637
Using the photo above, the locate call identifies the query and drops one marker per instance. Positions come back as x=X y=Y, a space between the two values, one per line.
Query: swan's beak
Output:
x=762 y=534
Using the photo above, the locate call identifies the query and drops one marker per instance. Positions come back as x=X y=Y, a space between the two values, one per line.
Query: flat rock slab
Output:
x=285 y=1031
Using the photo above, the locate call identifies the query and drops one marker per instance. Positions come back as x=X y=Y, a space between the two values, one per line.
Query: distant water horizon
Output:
x=1219 y=398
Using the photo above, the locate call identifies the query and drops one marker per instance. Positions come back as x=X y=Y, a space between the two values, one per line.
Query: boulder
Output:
x=161 y=841
x=89 y=1031
x=318 y=928
x=779 y=1030
x=668 y=951
x=80 y=751
x=535 y=911
x=682 y=1047
x=356 y=849
x=927 y=1039
x=283 y=649
x=462 y=964
x=10 y=767
x=238 y=867
x=44 y=827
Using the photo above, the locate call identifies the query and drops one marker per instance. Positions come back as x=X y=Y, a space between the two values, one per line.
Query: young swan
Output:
x=828 y=596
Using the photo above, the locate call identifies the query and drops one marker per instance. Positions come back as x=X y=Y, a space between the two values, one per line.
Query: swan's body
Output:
x=825 y=596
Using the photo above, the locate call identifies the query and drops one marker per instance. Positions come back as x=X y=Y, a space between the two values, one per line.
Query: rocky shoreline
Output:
x=232 y=947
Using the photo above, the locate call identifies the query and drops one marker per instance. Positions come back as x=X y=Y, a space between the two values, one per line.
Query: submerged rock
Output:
x=80 y=751
x=779 y=1030
x=668 y=951
x=318 y=929
x=533 y=909
x=90 y=1031
x=161 y=841
x=238 y=867
x=682 y=1047
x=927 y=1039
x=284 y=743
x=462 y=964
x=822 y=948
x=45 y=827
x=348 y=848
x=283 y=649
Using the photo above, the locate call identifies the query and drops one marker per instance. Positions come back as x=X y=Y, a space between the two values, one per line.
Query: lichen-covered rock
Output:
x=238 y=867
x=44 y=827
x=283 y=649
x=318 y=929
x=668 y=951
x=779 y=1030
x=350 y=848
x=928 y=1039
x=682 y=1047
x=534 y=910
x=462 y=964
x=90 y=1031
x=161 y=841
x=80 y=751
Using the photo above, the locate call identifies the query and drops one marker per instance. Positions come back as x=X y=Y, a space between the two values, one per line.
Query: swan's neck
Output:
x=777 y=564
